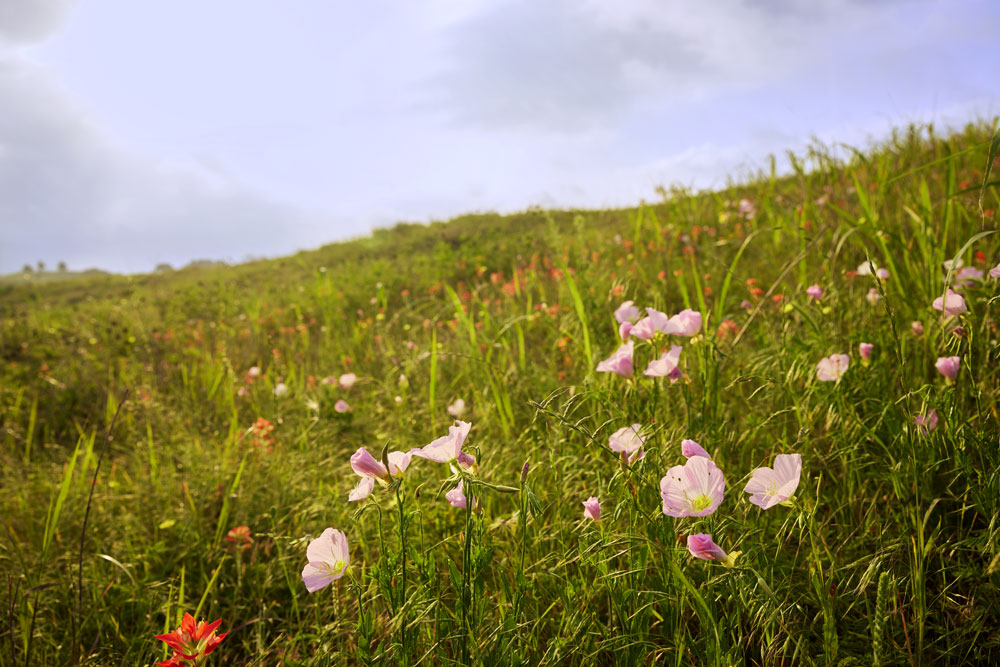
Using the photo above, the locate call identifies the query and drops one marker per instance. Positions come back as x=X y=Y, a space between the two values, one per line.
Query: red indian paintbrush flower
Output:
x=240 y=537
x=192 y=641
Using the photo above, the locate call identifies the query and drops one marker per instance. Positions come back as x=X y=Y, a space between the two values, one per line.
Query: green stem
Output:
x=466 y=579
x=402 y=544
x=524 y=540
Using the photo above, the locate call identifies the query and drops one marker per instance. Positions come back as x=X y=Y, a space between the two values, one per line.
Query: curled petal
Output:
x=701 y=545
x=363 y=489
x=691 y=448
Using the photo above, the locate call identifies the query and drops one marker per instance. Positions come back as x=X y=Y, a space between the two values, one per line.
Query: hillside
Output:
x=233 y=410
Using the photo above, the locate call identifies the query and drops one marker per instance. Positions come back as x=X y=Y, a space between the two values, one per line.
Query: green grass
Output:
x=889 y=555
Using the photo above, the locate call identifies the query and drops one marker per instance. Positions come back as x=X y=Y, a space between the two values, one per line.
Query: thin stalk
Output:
x=466 y=580
x=86 y=513
x=402 y=544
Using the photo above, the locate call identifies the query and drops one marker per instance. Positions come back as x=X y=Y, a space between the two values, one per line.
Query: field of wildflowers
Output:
x=753 y=426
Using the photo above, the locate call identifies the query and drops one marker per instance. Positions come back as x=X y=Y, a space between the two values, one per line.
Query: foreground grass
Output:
x=888 y=554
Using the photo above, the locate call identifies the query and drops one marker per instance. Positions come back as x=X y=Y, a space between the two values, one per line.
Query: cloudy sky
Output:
x=133 y=133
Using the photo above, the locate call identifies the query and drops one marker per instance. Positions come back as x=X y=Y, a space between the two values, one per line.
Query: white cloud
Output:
x=123 y=151
x=571 y=65
x=23 y=21
x=68 y=193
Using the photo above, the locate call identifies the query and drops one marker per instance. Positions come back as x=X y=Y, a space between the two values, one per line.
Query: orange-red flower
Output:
x=262 y=431
x=240 y=537
x=727 y=328
x=192 y=641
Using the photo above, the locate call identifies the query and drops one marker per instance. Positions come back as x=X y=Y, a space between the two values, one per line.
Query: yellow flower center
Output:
x=701 y=502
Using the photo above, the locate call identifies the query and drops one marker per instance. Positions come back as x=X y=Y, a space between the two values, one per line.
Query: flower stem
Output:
x=402 y=597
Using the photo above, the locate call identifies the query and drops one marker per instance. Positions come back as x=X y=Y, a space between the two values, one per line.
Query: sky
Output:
x=135 y=133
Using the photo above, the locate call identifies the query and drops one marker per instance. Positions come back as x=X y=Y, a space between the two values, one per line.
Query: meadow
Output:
x=181 y=442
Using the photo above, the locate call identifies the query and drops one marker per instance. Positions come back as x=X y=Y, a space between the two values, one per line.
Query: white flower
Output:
x=832 y=368
x=457 y=409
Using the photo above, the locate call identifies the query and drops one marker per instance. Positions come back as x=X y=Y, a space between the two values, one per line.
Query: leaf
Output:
x=994 y=146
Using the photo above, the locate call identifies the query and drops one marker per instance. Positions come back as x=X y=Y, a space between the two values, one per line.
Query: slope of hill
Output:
x=236 y=396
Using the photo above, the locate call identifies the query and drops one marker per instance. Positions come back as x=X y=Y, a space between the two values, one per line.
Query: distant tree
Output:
x=62 y=267
x=204 y=264
x=164 y=267
x=27 y=269
x=41 y=266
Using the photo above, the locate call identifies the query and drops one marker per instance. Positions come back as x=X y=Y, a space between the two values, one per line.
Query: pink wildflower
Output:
x=456 y=497
x=951 y=303
x=865 y=350
x=628 y=441
x=691 y=448
x=647 y=327
x=873 y=296
x=995 y=271
x=447 y=448
x=328 y=558
x=369 y=469
x=666 y=364
x=620 y=362
x=771 y=486
x=948 y=367
x=967 y=276
x=347 y=380
x=832 y=368
x=685 y=323
x=365 y=465
x=693 y=489
x=701 y=545
x=592 y=508
x=457 y=409
x=341 y=406
x=815 y=291
x=399 y=462
x=626 y=313
x=467 y=461
x=927 y=422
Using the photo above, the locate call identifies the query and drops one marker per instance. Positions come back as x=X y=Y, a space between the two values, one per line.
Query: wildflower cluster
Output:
x=685 y=323
x=328 y=554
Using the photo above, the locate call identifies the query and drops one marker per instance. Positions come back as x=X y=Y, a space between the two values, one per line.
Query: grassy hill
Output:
x=146 y=417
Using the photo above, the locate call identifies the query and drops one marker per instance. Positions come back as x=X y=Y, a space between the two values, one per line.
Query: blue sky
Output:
x=133 y=133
